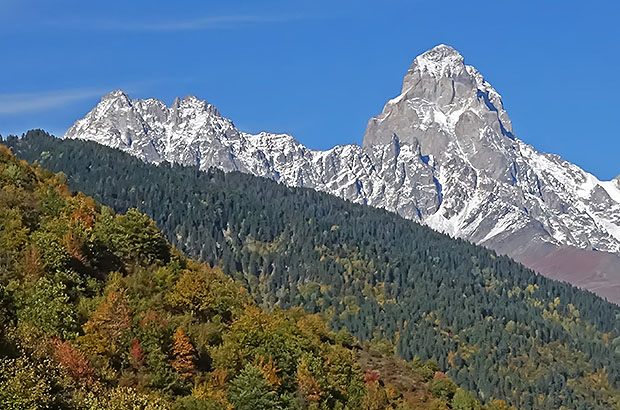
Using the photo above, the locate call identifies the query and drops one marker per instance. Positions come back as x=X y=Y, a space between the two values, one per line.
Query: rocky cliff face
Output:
x=495 y=189
x=442 y=152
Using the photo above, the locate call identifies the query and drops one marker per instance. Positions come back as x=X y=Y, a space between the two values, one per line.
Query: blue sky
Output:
x=316 y=69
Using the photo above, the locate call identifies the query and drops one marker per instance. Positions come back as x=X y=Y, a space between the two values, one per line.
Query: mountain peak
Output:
x=443 y=100
x=116 y=94
x=114 y=100
x=439 y=61
x=189 y=99
x=440 y=52
x=194 y=104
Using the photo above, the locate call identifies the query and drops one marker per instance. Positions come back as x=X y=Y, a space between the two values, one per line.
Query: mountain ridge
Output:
x=443 y=153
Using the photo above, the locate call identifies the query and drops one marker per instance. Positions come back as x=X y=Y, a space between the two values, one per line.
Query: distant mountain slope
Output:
x=496 y=327
x=443 y=152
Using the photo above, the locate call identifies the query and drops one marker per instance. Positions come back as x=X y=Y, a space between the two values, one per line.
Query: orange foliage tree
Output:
x=73 y=360
x=136 y=354
x=184 y=354
x=270 y=371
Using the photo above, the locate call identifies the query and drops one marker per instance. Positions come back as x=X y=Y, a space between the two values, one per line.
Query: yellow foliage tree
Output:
x=184 y=354
x=108 y=323
x=213 y=388
x=375 y=398
x=308 y=385
x=32 y=268
x=270 y=371
x=499 y=405
x=206 y=291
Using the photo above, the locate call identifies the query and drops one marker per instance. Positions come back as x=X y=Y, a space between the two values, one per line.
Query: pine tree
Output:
x=250 y=391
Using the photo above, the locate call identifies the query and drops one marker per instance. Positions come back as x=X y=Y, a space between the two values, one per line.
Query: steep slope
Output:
x=98 y=311
x=495 y=189
x=443 y=153
x=483 y=317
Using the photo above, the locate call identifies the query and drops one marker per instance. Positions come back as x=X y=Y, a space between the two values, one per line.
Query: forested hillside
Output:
x=497 y=328
x=98 y=311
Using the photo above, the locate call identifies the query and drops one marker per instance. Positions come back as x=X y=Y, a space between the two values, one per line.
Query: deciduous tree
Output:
x=184 y=354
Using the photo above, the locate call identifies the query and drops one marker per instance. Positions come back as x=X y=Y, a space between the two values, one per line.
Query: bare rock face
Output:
x=496 y=189
x=443 y=153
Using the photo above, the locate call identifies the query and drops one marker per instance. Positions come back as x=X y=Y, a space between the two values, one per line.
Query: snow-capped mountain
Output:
x=443 y=152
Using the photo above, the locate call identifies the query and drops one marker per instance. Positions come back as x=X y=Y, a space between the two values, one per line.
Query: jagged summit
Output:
x=189 y=101
x=440 y=52
x=440 y=61
x=115 y=94
x=118 y=97
x=443 y=103
x=442 y=152
x=195 y=104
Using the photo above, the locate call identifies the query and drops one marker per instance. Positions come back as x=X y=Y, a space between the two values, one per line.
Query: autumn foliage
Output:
x=183 y=353
x=73 y=360
x=309 y=386
x=108 y=323
x=370 y=376
x=137 y=355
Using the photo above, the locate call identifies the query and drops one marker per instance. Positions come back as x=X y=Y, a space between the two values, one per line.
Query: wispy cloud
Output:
x=18 y=103
x=195 y=24
x=205 y=23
